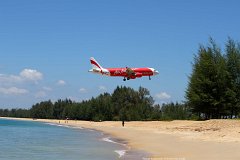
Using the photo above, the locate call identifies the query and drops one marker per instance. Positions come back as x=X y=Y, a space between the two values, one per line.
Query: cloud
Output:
x=40 y=94
x=163 y=96
x=13 y=91
x=31 y=74
x=83 y=90
x=61 y=83
x=24 y=75
x=102 y=88
x=47 y=88
x=74 y=99
x=9 y=79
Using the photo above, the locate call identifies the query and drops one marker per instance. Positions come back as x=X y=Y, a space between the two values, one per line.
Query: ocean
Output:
x=27 y=140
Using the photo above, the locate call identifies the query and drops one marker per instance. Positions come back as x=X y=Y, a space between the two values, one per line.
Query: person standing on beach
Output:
x=122 y=116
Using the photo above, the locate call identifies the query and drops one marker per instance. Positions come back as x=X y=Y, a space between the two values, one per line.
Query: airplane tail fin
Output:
x=95 y=64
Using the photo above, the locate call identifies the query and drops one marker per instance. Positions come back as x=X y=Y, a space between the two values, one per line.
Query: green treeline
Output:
x=20 y=113
x=214 y=85
x=124 y=103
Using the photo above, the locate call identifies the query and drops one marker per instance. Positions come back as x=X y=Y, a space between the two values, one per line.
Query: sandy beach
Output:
x=173 y=140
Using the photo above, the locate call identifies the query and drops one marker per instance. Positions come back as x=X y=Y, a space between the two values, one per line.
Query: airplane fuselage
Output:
x=129 y=73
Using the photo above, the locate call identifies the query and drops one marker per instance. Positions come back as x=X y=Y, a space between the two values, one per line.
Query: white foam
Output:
x=74 y=127
x=53 y=124
x=121 y=153
x=67 y=126
x=107 y=139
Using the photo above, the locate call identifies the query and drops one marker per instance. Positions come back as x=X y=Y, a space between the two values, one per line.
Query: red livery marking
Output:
x=93 y=62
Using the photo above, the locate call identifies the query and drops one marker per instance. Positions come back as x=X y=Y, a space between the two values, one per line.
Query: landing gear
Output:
x=124 y=79
x=149 y=78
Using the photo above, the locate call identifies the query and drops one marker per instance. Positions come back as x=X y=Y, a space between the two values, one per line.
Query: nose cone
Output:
x=155 y=72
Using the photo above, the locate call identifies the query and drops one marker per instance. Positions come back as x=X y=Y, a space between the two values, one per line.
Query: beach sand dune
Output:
x=174 y=140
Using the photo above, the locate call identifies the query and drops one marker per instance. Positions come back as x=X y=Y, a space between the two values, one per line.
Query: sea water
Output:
x=27 y=140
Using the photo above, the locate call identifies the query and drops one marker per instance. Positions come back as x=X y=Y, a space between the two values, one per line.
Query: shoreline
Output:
x=125 y=153
x=175 y=140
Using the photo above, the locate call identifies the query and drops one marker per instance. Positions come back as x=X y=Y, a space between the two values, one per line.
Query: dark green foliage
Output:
x=233 y=67
x=129 y=104
x=176 y=111
x=123 y=104
x=21 y=113
x=214 y=85
x=42 y=110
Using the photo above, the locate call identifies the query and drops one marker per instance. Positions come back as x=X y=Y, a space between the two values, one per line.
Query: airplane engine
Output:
x=132 y=77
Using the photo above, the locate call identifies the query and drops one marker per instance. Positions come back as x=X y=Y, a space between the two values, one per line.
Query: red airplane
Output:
x=126 y=73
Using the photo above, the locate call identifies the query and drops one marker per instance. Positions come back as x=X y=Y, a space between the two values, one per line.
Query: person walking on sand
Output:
x=123 y=123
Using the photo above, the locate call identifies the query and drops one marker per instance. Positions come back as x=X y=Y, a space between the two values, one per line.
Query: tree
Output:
x=207 y=83
x=214 y=85
x=233 y=68
x=42 y=110
x=173 y=111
